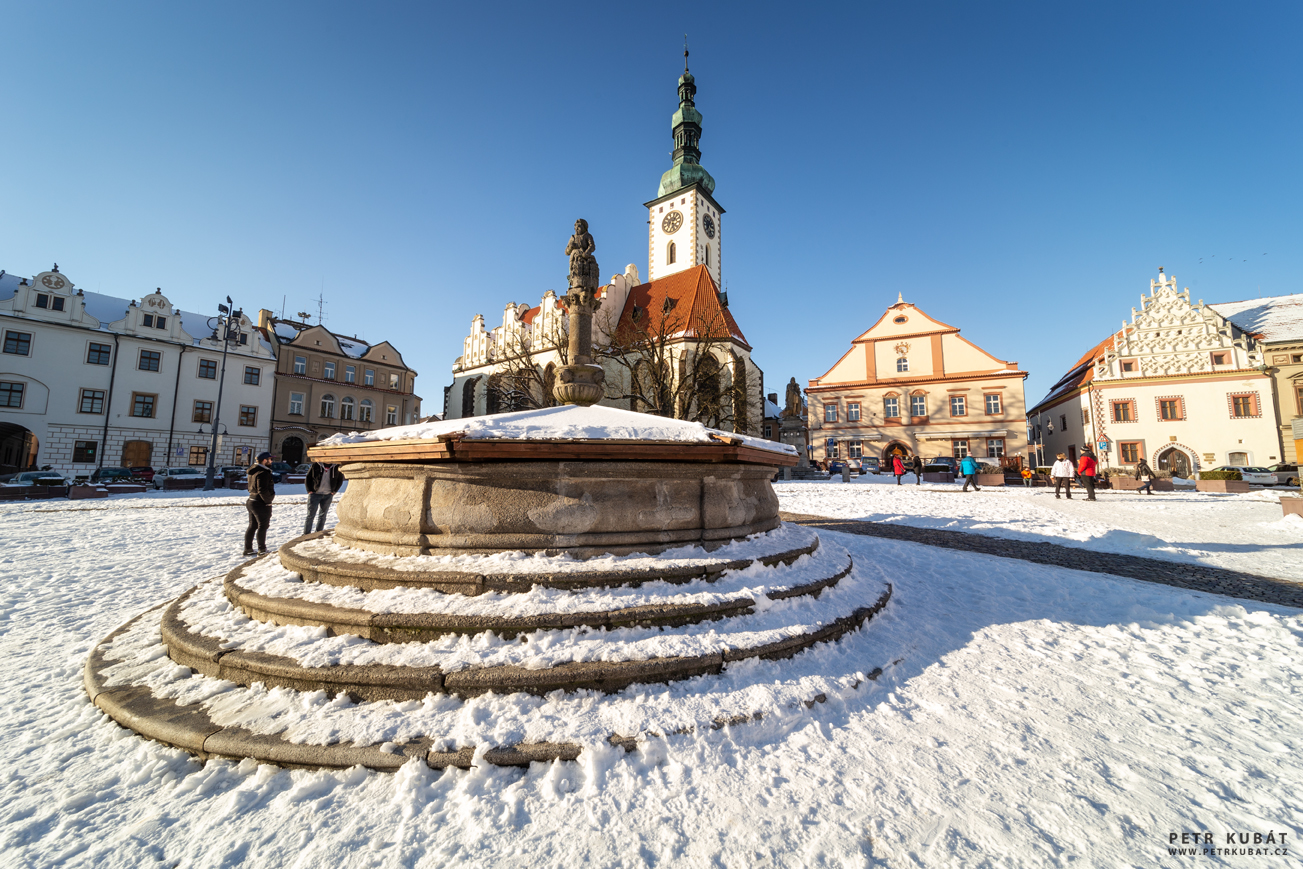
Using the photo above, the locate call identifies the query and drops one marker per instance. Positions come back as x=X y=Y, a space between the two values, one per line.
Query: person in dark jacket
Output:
x=322 y=482
x=897 y=468
x=1086 y=470
x=1145 y=474
x=262 y=491
x=917 y=467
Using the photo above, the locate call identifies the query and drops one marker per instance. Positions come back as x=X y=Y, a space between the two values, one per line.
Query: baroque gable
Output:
x=1170 y=335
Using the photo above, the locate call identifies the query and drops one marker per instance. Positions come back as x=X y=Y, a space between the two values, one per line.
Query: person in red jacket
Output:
x=1086 y=470
x=897 y=468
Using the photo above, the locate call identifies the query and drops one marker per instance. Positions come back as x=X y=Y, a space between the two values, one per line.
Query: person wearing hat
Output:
x=322 y=482
x=1086 y=467
x=262 y=491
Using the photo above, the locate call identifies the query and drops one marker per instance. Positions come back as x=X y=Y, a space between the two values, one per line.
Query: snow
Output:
x=1026 y=715
x=355 y=349
x=1276 y=318
x=562 y=423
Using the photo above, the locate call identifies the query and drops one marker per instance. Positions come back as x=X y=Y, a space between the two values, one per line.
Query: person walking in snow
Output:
x=918 y=470
x=1086 y=466
x=897 y=467
x=1061 y=472
x=1146 y=474
x=968 y=467
x=322 y=482
x=262 y=491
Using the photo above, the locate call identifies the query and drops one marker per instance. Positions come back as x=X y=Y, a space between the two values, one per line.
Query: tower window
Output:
x=670 y=254
x=707 y=254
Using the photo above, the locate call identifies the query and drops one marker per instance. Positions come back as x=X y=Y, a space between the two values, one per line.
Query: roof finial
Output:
x=685 y=52
x=900 y=298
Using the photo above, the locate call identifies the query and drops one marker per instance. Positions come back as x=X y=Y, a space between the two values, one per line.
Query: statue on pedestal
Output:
x=580 y=381
x=792 y=409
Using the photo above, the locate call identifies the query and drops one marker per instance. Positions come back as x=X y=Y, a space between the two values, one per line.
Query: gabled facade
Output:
x=328 y=383
x=1179 y=385
x=89 y=380
x=912 y=385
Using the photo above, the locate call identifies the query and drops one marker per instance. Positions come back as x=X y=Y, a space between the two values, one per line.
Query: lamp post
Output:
x=227 y=322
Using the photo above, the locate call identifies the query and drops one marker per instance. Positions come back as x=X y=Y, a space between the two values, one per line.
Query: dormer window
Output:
x=147 y=320
x=900 y=319
x=154 y=322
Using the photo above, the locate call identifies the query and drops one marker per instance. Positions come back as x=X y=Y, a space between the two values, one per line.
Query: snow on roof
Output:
x=8 y=285
x=772 y=411
x=285 y=331
x=562 y=423
x=1275 y=318
x=351 y=347
x=355 y=349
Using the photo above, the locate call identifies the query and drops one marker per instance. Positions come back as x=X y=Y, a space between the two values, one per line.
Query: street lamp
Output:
x=227 y=322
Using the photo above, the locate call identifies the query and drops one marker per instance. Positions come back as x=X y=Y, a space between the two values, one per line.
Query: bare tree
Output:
x=522 y=383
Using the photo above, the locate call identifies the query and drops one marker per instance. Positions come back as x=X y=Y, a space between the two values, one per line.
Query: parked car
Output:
x=112 y=475
x=38 y=478
x=870 y=465
x=1257 y=476
x=144 y=472
x=303 y=468
x=280 y=469
x=1286 y=474
x=835 y=467
x=949 y=461
x=183 y=473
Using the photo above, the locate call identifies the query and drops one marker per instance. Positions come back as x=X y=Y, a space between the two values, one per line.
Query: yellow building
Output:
x=911 y=385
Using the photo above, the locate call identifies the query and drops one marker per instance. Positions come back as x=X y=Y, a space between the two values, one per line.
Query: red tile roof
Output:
x=695 y=306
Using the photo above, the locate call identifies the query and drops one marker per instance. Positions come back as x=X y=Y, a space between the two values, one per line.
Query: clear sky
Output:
x=1017 y=170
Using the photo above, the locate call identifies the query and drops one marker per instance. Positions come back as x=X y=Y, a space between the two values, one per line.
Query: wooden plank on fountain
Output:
x=489 y=450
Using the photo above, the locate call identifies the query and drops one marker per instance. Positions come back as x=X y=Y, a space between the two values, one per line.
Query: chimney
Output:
x=264 y=318
x=773 y=397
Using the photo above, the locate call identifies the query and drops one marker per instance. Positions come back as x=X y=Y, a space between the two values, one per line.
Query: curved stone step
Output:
x=211 y=657
x=316 y=564
x=426 y=626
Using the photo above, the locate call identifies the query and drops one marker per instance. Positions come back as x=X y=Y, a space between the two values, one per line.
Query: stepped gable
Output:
x=692 y=291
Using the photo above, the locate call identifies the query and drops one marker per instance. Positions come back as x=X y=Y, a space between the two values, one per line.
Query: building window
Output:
x=1063 y=422
x=244 y=338
x=369 y=377
x=993 y=403
x=328 y=406
x=393 y=381
x=391 y=415
x=1171 y=409
x=56 y=303
x=346 y=408
x=160 y=322
x=994 y=448
x=207 y=369
x=1085 y=416
x=329 y=373
x=83 y=452
x=852 y=411
x=300 y=365
x=296 y=404
x=92 y=401
x=902 y=364
x=149 y=360
x=959 y=448
x=1243 y=406
x=203 y=412
x=252 y=375
x=11 y=394
x=1297 y=357
x=1123 y=411
x=769 y=430
x=855 y=449
x=18 y=343
x=958 y=406
x=365 y=410
x=1129 y=452
x=198 y=456
x=148 y=320
x=142 y=405
x=830 y=448
x=918 y=405
x=1219 y=359
x=1238 y=460
x=670 y=253
x=42 y=300
x=350 y=374
x=98 y=354
x=248 y=414
x=1298 y=397
x=1128 y=366
x=830 y=413
x=891 y=408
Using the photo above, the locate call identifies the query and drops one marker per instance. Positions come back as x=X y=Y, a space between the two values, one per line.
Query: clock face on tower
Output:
x=672 y=222
x=709 y=223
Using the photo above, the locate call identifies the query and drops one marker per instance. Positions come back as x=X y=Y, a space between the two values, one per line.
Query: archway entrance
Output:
x=136 y=454
x=1176 y=461
x=18 y=448
x=292 y=450
x=894 y=449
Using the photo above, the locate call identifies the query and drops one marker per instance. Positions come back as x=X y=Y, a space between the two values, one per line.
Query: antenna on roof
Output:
x=282 y=307
x=321 y=307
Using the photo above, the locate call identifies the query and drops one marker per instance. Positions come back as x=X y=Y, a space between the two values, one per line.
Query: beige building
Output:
x=912 y=385
x=328 y=383
x=1181 y=386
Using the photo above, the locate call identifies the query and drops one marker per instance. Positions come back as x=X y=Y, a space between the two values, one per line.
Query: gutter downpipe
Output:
x=108 y=404
x=176 y=393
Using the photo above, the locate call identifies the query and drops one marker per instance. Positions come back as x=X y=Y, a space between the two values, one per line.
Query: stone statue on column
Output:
x=580 y=381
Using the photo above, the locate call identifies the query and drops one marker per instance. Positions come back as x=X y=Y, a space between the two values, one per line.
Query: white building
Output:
x=1179 y=385
x=89 y=380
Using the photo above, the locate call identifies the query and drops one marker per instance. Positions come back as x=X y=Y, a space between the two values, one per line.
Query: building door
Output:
x=1176 y=461
x=292 y=450
x=1072 y=454
x=136 y=454
x=895 y=450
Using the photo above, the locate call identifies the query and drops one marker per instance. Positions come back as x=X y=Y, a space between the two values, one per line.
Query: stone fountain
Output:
x=556 y=528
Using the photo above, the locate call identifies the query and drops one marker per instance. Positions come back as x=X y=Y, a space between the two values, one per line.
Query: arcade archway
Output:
x=292 y=450
x=18 y=448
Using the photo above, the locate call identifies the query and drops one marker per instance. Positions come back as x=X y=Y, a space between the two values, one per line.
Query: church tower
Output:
x=684 y=221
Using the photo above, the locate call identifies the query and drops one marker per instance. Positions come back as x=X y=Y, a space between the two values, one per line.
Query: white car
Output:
x=184 y=473
x=1258 y=476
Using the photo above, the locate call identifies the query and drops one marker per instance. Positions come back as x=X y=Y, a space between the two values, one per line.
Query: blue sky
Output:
x=1017 y=170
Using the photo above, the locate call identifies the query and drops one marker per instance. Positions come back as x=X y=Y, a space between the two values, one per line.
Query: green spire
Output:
x=687 y=169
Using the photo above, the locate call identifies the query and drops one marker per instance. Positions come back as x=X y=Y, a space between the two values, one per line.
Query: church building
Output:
x=678 y=321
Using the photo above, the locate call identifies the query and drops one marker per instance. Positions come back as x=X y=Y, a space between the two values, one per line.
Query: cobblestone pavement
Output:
x=1198 y=577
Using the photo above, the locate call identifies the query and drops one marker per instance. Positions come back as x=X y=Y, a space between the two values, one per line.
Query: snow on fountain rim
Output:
x=562 y=424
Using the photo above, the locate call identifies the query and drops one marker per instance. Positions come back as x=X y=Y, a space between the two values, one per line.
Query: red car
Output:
x=144 y=472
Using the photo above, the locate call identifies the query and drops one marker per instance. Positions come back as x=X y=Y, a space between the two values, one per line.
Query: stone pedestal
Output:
x=792 y=432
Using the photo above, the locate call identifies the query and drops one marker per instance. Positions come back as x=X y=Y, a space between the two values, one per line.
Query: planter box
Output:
x=938 y=477
x=81 y=493
x=1222 y=486
x=990 y=479
x=173 y=484
x=1291 y=505
x=125 y=488
x=1130 y=484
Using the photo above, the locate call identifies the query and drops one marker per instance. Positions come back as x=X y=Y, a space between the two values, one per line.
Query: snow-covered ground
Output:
x=1026 y=715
